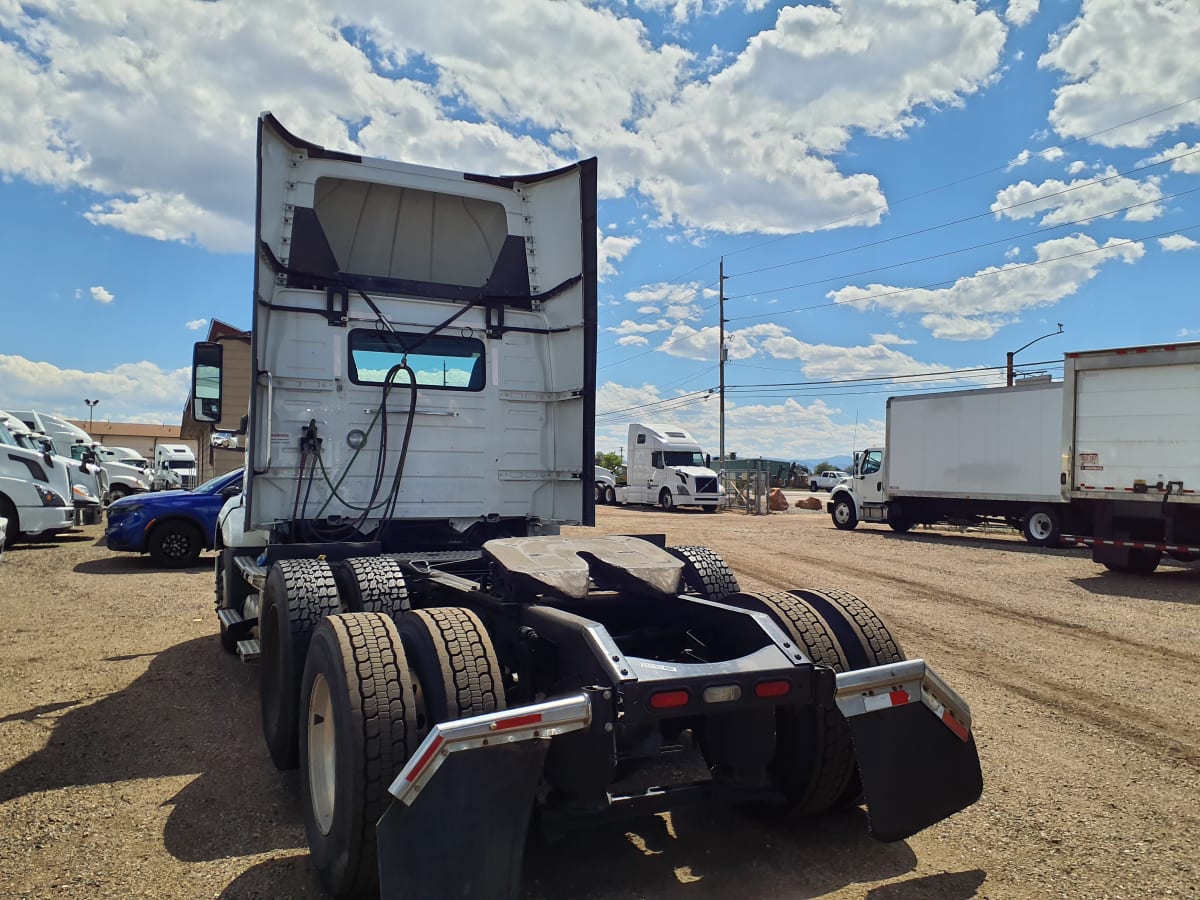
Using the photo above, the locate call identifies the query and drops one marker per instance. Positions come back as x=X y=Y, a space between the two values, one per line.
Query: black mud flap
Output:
x=464 y=835
x=915 y=771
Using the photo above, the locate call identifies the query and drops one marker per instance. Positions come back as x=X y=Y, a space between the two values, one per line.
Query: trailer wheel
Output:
x=844 y=515
x=299 y=593
x=666 y=501
x=456 y=672
x=1041 y=526
x=358 y=730
x=814 y=758
x=372 y=584
x=705 y=573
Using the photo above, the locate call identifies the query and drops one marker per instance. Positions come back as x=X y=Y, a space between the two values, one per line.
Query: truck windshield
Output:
x=683 y=458
x=443 y=362
x=180 y=464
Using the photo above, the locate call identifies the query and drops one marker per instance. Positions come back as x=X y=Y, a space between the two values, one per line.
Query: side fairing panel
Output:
x=503 y=411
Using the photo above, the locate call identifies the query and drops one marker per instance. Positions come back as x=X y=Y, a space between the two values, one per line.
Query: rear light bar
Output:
x=766 y=689
x=669 y=699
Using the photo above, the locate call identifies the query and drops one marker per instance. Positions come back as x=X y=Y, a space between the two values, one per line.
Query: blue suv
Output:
x=172 y=526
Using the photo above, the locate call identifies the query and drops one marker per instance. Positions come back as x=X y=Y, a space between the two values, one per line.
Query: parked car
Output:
x=172 y=526
x=828 y=480
x=606 y=485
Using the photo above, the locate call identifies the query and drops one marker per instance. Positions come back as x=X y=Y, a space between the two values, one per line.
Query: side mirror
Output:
x=232 y=491
x=206 y=381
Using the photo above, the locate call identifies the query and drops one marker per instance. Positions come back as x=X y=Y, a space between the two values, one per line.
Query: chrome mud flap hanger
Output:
x=912 y=739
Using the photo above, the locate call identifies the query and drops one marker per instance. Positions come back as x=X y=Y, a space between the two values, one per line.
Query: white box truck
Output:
x=963 y=457
x=1131 y=454
x=668 y=468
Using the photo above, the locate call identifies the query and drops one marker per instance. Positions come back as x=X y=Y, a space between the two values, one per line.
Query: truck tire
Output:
x=610 y=495
x=117 y=492
x=1041 y=526
x=666 y=501
x=844 y=515
x=814 y=758
x=865 y=640
x=9 y=511
x=175 y=544
x=358 y=731
x=455 y=669
x=299 y=593
x=372 y=584
x=897 y=521
x=1141 y=562
x=705 y=573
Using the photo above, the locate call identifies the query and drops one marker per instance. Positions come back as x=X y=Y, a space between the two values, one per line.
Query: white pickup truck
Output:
x=827 y=480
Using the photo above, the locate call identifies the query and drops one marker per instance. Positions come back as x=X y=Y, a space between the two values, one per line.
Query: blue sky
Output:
x=899 y=188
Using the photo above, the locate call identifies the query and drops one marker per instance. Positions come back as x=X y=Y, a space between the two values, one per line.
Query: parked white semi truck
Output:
x=89 y=480
x=35 y=485
x=1131 y=454
x=174 y=467
x=667 y=468
x=962 y=457
x=436 y=658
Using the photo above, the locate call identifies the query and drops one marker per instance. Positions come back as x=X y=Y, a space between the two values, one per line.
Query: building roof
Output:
x=100 y=430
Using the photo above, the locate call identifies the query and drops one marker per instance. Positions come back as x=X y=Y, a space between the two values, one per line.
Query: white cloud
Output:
x=632 y=340
x=975 y=307
x=610 y=248
x=1050 y=154
x=1012 y=252
x=196 y=324
x=1021 y=12
x=131 y=392
x=1184 y=158
x=100 y=295
x=890 y=338
x=1123 y=59
x=1082 y=199
x=149 y=106
x=1075 y=167
x=1188 y=332
x=1177 y=242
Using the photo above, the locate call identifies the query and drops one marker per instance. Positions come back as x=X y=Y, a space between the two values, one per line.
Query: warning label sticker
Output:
x=1090 y=461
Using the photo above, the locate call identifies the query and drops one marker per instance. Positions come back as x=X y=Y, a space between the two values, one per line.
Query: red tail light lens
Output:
x=669 y=699
x=772 y=689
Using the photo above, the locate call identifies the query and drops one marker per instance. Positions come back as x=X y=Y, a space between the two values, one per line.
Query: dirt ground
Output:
x=131 y=763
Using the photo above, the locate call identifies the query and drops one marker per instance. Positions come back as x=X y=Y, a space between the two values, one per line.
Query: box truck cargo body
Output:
x=963 y=457
x=1131 y=438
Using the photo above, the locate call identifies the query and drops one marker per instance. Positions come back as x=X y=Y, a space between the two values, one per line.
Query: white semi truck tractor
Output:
x=667 y=468
x=435 y=656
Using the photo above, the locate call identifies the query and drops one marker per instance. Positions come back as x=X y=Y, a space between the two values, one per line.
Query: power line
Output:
x=971 y=218
x=1011 y=268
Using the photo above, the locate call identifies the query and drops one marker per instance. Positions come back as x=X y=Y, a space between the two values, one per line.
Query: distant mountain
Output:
x=842 y=462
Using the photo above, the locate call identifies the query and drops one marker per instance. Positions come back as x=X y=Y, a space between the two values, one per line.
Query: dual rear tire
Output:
x=372 y=687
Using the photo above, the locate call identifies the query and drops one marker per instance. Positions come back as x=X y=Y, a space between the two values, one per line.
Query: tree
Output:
x=610 y=459
x=824 y=467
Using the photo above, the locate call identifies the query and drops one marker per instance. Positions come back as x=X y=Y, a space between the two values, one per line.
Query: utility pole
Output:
x=721 y=364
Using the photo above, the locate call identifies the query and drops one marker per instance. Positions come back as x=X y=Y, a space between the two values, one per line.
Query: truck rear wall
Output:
x=994 y=443
x=1134 y=416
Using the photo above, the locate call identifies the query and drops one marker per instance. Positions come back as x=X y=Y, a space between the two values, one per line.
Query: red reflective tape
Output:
x=425 y=758
x=518 y=721
x=954 y=725
x=899 y=698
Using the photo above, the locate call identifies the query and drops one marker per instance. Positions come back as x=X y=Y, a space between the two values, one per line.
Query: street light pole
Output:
x=91 y=404
x=1013 y=353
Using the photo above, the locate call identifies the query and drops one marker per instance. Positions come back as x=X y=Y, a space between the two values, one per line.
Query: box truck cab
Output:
x=35 y=487
x=667 y=467
x=174 y=467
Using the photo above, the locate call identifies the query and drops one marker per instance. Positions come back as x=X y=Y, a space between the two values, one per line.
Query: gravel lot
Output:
x=131 y=763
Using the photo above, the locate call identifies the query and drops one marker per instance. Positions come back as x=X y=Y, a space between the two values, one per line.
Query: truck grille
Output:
x=706 y=485
x=189 y=481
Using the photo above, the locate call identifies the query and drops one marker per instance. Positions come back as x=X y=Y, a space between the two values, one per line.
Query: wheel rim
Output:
x=1040 y=526
x=175 y=545
x=841 y=512
x=322 y=754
